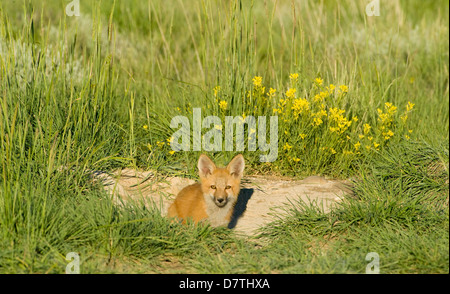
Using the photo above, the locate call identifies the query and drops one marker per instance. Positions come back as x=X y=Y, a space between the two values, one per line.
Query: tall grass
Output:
x=168 y=69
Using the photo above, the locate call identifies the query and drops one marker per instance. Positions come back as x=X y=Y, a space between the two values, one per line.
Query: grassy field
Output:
x=356 y=96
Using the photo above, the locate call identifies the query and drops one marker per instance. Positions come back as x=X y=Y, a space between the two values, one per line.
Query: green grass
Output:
x=76 y=93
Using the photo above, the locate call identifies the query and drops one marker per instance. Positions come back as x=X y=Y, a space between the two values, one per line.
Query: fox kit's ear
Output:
x=205 y=166
x=236 y=166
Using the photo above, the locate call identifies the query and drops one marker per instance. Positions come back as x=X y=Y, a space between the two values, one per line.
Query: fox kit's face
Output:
x=221 y=185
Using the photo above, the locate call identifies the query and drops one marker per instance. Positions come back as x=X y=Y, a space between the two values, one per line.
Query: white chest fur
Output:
x=217 y=216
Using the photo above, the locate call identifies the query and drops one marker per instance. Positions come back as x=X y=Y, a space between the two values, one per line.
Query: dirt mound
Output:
x=259 y=194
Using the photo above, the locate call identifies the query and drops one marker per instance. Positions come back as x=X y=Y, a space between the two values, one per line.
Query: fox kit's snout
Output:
x=212 y=199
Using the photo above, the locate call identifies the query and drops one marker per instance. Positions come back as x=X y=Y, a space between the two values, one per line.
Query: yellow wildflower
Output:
x=303 y=136
x=386 y=118
x=223 y=104
x=271 y=92
x=293 y=77
x=318 y=81
x=343 y=88
x=367 y=128
x=409 y=106
x=171 y=152
x=317 y=98
x=336 y=116
x=317 y=121
x=262 y=90
x=216 y=90
x=257 y=81
x=145 y=127
x=321 y=113
x=324 y=95
x=321 y=96
x=331 y=88
x=387 y=135
x=290 y=93
x=335 y=113
x=299 y=106
x=357 y=145
x=287 y=146
x=334 y=129
x=390 y=108
x=317 y=117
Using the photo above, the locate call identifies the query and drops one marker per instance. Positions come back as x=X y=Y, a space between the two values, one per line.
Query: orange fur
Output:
x=212 y=199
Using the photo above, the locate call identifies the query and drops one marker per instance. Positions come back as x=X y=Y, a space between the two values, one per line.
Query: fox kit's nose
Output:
x=221 y=202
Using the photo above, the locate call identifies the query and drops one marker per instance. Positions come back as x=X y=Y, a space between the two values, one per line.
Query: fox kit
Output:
x=214 y=197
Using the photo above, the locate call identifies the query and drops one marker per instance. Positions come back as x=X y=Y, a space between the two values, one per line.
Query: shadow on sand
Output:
x=241 y=206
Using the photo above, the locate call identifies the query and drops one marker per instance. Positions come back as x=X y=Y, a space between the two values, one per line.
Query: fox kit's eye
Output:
x=228 y=187
x=213 y=187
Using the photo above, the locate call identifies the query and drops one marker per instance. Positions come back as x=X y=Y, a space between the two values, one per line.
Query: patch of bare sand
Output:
x=259 y=194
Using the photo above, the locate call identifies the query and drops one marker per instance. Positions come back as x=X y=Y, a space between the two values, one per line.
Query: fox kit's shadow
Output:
x=241 y=205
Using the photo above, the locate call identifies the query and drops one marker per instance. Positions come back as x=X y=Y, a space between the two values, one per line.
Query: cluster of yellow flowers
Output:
x=258 y=89
x=383 y=131
x=257 y=82
x=316 y=113
x=386 y=118
x=317 y=116
x=307 y=114
x=338 y=123
x=310 y=118
x=162 y=145
x=300 y=106
x=260 y=99
x=223 y=105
